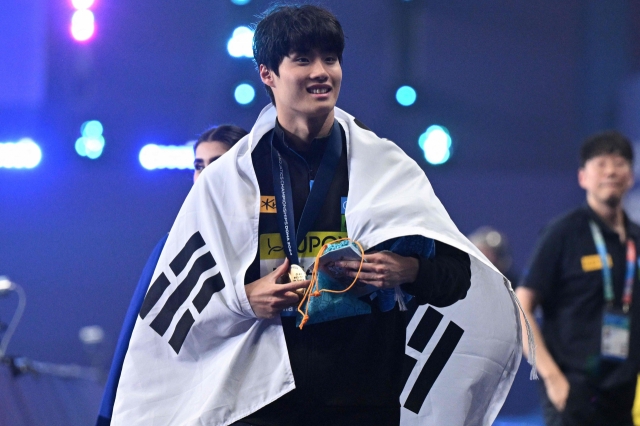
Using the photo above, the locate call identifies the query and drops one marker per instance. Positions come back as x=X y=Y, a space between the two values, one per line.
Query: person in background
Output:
x=211 y=144
x=584 y=275
x=495 y=245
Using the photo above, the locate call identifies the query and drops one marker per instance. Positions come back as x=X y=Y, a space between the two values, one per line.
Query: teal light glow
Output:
x=406 y=95
x=436 y=144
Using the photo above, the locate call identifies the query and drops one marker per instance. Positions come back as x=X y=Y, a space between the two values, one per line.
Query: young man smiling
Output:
x=584 y=275
x=218 y=342
x=347 y=371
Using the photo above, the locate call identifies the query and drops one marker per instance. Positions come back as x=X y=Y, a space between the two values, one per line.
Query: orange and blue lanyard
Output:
x=601 y=247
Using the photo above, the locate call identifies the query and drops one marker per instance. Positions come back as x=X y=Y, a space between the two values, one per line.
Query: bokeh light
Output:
x=91 y=143
x=406 y=95
x=23 y=154
x=436 y=144
x=154 y=156
x=82 y=4
x=241 y=43
x=244 y=93
x=82 y=25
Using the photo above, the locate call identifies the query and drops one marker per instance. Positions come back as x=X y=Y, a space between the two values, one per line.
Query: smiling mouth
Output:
x=319 y=90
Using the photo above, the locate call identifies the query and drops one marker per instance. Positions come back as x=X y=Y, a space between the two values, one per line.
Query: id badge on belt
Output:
x=615 y=335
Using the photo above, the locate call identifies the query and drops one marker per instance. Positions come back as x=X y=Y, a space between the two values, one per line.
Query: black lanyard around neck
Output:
x=291 y=238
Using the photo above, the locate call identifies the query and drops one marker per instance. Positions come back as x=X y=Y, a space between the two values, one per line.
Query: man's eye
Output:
x=331 y=60
x=301 y=60
x=199 y=167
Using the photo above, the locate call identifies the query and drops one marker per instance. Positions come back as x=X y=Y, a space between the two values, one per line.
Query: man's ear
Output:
x=266 y=75
x=581 y=178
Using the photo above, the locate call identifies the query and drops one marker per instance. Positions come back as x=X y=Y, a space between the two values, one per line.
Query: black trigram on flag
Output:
x=437 y=360
x=211 y=285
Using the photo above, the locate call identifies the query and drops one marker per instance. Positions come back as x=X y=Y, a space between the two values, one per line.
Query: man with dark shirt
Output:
x=216 y=340
x=348 y=371
x=584 y=275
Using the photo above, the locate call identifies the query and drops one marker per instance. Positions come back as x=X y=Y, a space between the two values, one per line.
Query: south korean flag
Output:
x=192 y=266
x=199 y=356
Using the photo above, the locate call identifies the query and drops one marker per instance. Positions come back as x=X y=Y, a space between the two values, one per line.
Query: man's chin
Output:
x=322 y=111
x=613 y=201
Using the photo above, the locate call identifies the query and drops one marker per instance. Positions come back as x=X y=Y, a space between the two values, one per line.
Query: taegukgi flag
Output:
x=199 y=356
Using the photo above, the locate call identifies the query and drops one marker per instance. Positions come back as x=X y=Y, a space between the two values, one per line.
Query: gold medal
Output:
x=296 y=273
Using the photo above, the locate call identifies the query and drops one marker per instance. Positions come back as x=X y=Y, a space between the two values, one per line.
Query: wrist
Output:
x=552 y=376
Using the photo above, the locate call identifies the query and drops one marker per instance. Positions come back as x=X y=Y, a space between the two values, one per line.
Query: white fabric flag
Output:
x=199 y=356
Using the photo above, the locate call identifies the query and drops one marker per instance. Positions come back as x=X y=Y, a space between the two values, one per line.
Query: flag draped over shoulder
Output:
x=199 y=356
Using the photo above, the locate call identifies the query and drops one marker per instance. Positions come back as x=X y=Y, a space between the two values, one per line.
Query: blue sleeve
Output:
x=109 y=396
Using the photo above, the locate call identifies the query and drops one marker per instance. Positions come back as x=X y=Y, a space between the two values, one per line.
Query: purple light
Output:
x=82 y=25
x=82 y=4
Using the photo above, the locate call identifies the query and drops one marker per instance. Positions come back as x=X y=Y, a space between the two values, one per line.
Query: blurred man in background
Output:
x=584 y=275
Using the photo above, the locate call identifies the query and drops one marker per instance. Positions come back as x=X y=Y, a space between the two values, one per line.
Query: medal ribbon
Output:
x=601 y=247
x=291 y=238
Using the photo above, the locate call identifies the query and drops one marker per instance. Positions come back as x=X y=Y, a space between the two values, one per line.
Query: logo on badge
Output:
x=267 y=204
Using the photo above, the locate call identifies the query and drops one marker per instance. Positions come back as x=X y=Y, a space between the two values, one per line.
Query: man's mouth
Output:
x=318 y=90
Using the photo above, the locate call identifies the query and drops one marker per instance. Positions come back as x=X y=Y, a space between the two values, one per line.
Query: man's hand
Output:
x=382 y=269
x=557 y=388
x=268 y=298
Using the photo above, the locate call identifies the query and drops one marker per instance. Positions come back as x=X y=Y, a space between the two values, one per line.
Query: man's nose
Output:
x=610 y=169
x=318 y=71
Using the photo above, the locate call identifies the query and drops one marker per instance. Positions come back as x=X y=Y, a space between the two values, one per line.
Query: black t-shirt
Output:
x=566 y=273
x=347 y=371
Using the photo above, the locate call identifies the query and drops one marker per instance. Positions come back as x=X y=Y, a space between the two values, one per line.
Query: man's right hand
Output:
x=557 y=387
x=268 y=298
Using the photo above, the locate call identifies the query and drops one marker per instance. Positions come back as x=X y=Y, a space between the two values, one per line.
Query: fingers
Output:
x=282 y=269
x=292 y=287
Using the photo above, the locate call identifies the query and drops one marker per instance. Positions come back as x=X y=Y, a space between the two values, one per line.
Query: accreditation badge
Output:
x=272 y=255
x=615 y=335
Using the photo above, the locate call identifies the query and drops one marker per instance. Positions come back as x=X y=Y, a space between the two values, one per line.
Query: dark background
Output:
x=519 y=84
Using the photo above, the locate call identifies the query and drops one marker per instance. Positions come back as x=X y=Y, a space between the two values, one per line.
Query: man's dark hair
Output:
x=283 y=29
x=609 y=142
x=226 y=133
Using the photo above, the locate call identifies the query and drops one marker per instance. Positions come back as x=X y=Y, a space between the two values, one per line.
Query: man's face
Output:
x=308 y=84
x=606 y=178
x=207 y=153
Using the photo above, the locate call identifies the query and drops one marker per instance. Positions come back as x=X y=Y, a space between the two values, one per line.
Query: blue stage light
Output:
x=240 y=2
x=406 y=95
x=91 y=144
x=436 y=144
x=94 y=146
x=24 y=154
x=80 y=147
x=244 y=93
x=154 y=156
x=241 y=43
x=91 y=128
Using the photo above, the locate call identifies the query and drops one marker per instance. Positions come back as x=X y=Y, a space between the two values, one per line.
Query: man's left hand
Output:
x=382 y=269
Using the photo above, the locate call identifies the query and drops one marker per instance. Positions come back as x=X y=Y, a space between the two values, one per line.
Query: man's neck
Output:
x=611 y=215
x=301 y=132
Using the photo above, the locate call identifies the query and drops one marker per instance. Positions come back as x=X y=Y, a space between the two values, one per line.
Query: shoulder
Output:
x=567 y=223
x=263 y=146
x=634 y=230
